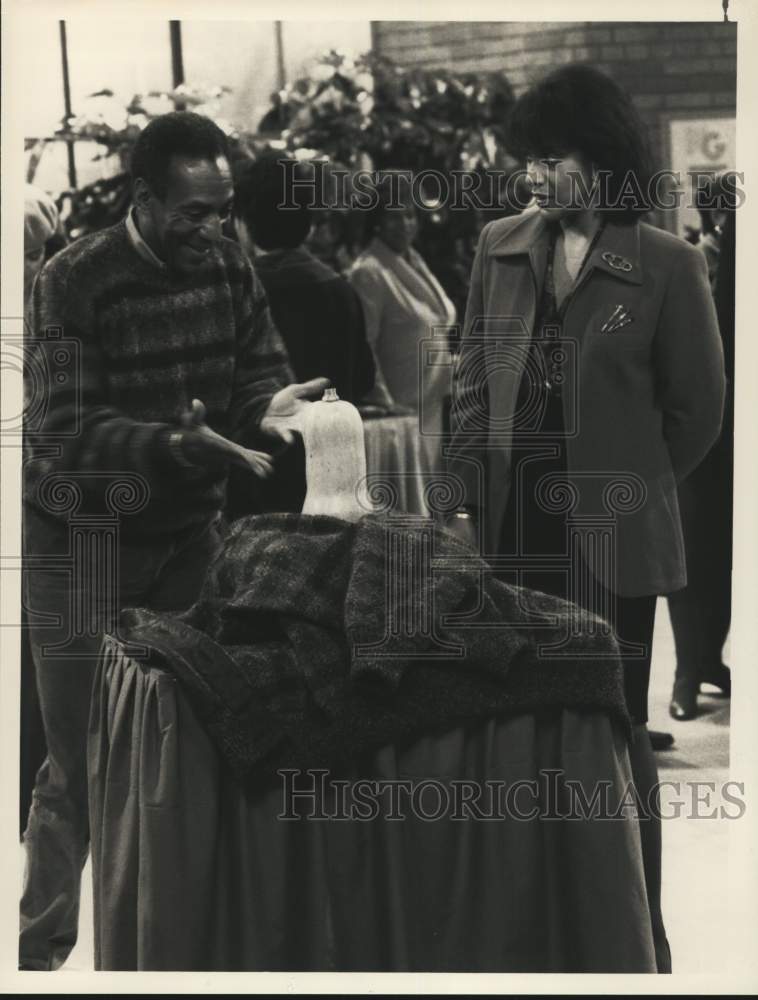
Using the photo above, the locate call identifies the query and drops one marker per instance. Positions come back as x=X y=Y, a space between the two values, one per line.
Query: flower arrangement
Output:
x=418 y=119
x=114 y=124
x=368 y=112
x=356 y=112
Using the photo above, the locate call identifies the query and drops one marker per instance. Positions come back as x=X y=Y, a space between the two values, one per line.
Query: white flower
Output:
x=157 y=104
x=365 y=81
x=210 y=110
x=322 y=72
x=139 y=119
x=226 y=127
x=303 y=153
x=104 y=110
x=366 y=104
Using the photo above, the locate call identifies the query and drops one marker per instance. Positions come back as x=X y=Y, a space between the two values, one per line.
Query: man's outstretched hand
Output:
x=287 y=407
x=204 y=447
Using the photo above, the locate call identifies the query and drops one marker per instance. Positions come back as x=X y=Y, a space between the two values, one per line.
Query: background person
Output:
x=403 y=302
x=316 y=311
x=42 y=233
x=701 y=612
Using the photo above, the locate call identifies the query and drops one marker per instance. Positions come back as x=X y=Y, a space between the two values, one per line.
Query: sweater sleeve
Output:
x=66 y=394
x=262 y=366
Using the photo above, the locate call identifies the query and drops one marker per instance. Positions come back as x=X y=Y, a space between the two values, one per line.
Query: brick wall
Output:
x=667 y=67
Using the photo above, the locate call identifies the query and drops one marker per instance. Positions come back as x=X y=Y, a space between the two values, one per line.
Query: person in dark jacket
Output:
x=701 y=612
x=318 y=314
x=316 y=311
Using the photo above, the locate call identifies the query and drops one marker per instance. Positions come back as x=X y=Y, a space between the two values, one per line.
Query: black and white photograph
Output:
x=378 y=534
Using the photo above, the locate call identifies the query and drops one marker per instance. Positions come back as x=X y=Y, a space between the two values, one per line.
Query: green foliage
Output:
x=114 y=126
x=366 y=113
x=372 y=113
x=415 y=119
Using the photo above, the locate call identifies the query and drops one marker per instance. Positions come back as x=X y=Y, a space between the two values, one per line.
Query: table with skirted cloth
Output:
x=314 y=647
x=398 y=463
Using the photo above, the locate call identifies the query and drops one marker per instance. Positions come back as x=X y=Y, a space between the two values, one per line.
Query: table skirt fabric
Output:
x=194 y=872
x=399 y=463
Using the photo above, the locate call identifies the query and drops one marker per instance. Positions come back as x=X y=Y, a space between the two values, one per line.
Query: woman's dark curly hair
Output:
x=578 y=109
x=391 y=189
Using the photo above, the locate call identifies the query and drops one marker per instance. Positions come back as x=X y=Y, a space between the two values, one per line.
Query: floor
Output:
x=695 y=908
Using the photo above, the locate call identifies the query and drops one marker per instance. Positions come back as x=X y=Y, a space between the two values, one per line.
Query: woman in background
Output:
x=403 y=304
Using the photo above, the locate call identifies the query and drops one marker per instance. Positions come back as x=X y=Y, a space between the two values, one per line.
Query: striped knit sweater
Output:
x=134 y=345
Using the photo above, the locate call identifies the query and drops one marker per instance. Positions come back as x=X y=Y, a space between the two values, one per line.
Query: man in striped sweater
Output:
x=133 y=324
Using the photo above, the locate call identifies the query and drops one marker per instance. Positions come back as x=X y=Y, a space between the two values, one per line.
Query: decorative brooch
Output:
x=616 y=261
x=619 y=318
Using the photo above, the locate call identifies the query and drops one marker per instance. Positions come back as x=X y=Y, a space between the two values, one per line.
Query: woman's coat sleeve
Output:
x=689 y=364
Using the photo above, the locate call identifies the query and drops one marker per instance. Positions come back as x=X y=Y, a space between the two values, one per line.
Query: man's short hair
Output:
x=180 y=133
x=261 y=187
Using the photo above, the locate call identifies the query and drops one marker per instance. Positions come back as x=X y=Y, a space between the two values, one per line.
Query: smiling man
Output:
x=163 y=311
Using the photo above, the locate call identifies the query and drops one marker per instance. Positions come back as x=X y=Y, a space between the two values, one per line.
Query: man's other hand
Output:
x=204 y=447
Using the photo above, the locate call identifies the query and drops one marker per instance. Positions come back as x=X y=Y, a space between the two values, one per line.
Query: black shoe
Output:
x=660 y=741
x=683 y=704
x=720 y=677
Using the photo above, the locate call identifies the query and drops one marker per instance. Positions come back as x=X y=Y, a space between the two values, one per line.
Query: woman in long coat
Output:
x=404 y=306
x=590 y=381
